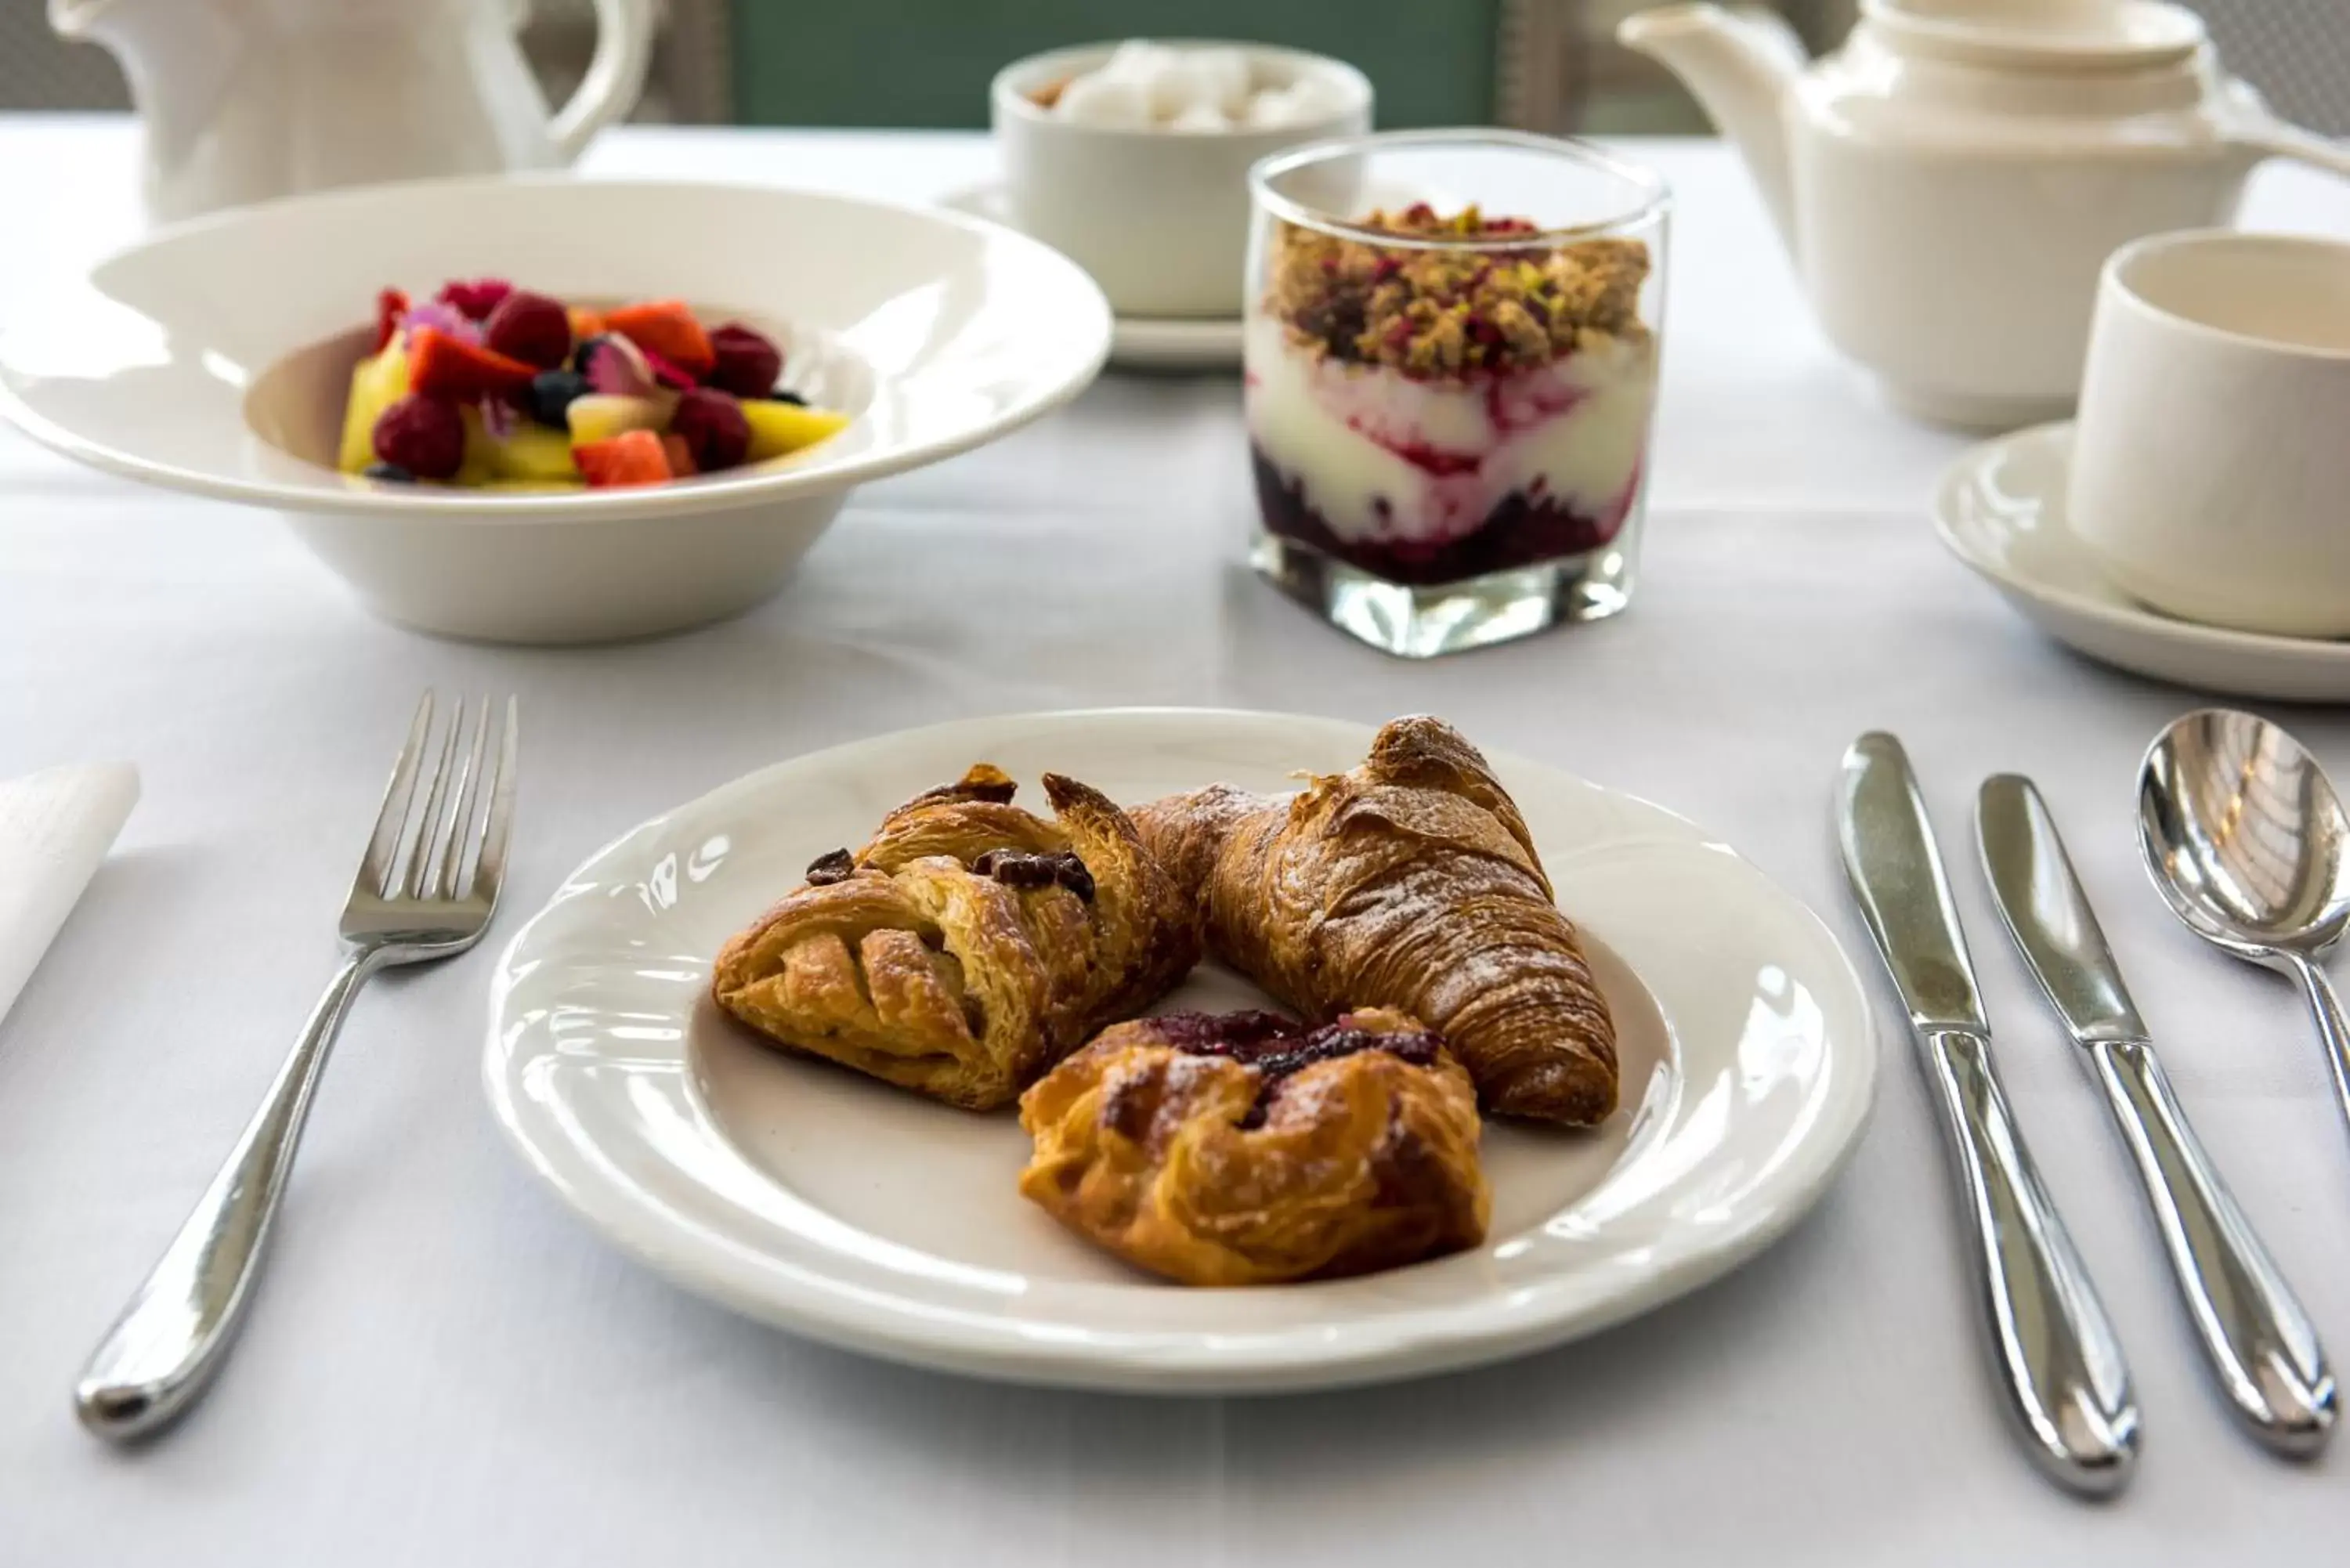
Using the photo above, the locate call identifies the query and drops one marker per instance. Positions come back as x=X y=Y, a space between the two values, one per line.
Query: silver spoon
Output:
x=2248 y=843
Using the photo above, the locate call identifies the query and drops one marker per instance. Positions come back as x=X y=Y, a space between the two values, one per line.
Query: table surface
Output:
x=445 y=1368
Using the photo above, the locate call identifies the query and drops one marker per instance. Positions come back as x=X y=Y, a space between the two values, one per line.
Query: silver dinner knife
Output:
x=2060 y=1363
x=2258 y=1340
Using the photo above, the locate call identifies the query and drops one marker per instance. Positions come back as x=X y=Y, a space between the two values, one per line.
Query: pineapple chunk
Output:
x=480 y=462
x=600 y=416
x=377 y=382
x=534 y=486
x=778 y=428
x=533 y=453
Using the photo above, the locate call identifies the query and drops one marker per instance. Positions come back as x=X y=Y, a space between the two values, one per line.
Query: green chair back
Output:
x=928 y=62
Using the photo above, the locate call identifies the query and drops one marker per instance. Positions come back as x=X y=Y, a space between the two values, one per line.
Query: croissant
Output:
x=1410 y=883
x=970 y=946
x=1244 y=1149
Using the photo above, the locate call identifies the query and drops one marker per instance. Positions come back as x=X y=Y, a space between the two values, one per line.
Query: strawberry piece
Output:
x=391 y=304
x=475 y=300
x=666 y=374
x=445 y=367
x=679 y=455
x=633 y=457
x=666 y=327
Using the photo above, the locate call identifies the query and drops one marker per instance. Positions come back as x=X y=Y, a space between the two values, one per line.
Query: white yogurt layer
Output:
x=1382 y=456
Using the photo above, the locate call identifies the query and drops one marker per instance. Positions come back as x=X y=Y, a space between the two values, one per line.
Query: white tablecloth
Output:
x=444 y=1368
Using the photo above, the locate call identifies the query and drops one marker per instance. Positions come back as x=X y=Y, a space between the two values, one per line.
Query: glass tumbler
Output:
x=1450 y=360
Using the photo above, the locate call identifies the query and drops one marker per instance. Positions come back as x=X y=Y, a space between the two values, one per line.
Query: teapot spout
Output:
x=1739 y=63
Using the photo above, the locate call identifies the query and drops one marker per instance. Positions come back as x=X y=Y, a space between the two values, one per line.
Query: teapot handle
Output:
x=2278 y=139
x=2252 y=125
x=616 y=74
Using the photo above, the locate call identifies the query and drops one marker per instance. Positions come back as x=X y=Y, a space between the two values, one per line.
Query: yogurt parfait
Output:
x=1449 y=410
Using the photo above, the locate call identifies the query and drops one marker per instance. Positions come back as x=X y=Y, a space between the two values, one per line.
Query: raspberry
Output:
x=424 y=435
x=748 y=363
x=474 y=300
x=530 y=327
x=713 y=426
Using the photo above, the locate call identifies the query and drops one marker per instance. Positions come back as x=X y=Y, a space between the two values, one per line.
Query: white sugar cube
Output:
x=1200 y=117
x=1312 y=96
x=1139 y=60
x=1226 y=72
x=1269 y=109
x=1188 y=81
x=1097 y=98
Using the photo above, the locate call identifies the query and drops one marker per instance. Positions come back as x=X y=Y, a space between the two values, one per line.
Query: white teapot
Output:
x=245 y=99
x=1950 y=181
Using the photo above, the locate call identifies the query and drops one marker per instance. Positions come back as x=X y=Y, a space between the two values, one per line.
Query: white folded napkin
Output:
x=55 y=827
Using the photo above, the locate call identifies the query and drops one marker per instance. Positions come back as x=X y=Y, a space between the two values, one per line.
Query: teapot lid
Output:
x=2041 y=35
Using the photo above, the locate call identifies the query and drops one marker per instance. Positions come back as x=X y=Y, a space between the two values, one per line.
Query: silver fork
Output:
x=425 y=890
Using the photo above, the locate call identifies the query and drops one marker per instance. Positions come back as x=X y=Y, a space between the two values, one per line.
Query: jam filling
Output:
x=1521 y=530
x=1279 y=1047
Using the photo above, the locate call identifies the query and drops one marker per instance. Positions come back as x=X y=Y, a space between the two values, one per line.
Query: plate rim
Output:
x=1003 y=1354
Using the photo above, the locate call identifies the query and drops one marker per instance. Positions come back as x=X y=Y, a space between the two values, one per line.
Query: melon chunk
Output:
x=778 y=429
x=600 y=416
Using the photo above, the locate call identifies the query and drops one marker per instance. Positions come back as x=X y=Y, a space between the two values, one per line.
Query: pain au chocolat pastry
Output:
x=1248 y=1148
x=970 y=946
x=1410 y=883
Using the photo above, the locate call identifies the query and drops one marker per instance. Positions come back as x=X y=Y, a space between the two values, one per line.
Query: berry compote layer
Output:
x=1434 y=412
x=1280 y=1048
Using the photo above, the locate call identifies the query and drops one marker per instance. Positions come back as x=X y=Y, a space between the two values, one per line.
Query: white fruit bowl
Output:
x=214 y=357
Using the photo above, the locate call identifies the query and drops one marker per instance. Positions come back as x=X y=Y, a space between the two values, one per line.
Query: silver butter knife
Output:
x=2260 y=1342
x=2061 y=1365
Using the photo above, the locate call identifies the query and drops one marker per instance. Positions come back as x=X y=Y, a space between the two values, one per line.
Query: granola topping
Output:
x=1453 y=314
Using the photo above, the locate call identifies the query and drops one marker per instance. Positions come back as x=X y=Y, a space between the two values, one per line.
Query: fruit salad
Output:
x=495 y=387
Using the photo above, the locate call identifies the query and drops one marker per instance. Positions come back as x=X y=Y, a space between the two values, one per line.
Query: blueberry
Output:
x=587 y=351
x=391 y=470
x=781 y=396
x=551 y=392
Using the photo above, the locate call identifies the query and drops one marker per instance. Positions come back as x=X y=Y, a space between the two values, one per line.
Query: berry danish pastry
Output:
x=1247 y=1149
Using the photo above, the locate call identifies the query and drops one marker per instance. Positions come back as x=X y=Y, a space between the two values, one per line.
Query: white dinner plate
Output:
x=870 y=1218
x=2001 y=510
x=1135 y=342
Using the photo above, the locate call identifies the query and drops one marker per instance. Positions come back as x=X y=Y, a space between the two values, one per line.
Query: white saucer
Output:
x=1137 y=342
x=870 y=1218
x=2001 y=510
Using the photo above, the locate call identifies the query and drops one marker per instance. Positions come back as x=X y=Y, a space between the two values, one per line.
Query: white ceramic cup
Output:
x=1158 y=217
x=2211 y=461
